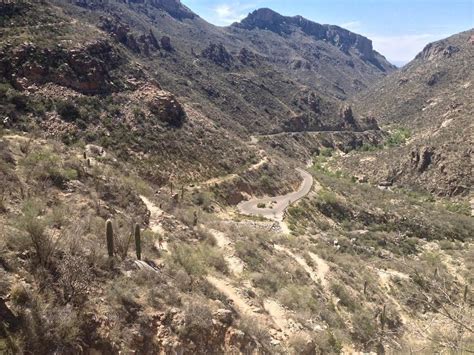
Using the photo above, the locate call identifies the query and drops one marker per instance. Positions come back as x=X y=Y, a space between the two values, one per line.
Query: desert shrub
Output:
x=365 y=329
x=459 y=207
x=250 y=254
x=328 y=343
x=346 y=299
x=34 y=225
x=398 y=137
x=19 y=295
x=68 y=110
x=197 y=259
x=74 y=278
x=326 y=152
x=123 y=236
x=253 y=329
x=297 y=297
x=203 y=199
x=49 y=329
x=261 y=205
x=301 y=344
x=197 y=321
x=44 y=165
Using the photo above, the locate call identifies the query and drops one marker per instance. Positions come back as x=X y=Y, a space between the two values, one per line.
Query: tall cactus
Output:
x=383 y=317
x=109 y=234
x=138 y=242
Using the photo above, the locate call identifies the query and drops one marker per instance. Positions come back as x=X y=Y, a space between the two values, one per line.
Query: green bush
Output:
x=68 y=110
x=326 y=152
x=44 y=165
x=398 y=137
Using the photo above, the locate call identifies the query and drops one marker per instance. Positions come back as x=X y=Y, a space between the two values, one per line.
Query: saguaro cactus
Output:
x=138 y=242
x=383 y=318
x=109 y=233
x=195 y=219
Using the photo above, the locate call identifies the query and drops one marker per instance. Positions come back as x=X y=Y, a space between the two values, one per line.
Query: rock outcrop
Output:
x=167 y=109
x=268 y=19
x=86 y=69
x=218 y=54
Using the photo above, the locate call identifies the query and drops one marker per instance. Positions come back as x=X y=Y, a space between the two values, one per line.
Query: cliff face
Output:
x=343 y=39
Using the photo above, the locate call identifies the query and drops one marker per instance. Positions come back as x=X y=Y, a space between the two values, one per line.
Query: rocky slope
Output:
x=149 y=77
x=432 y=98
x=328 y=58
x=140 y=112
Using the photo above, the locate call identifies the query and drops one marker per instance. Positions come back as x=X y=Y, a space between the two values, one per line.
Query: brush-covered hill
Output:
x=130 y=130
x=430 y=101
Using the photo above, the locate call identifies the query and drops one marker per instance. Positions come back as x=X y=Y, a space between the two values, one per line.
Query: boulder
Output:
x=167 y=109
x=224 y=316
x=166 y=43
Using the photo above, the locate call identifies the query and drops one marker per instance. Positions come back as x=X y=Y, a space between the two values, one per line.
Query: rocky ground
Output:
x=144 y=114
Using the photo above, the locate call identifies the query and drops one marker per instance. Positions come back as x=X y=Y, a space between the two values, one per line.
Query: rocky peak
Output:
x=268 y=19
x=437 y=50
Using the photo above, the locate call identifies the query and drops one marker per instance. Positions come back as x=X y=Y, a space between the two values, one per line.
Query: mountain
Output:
x=432 y=98
x=169 y=186
x=228 y=87
x=343 y=62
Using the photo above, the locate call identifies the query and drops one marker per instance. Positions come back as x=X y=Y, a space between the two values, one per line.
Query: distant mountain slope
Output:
x=152 y=76
x=432 y=96
x=329 y=58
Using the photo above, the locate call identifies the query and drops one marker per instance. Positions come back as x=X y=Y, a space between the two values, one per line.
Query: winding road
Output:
x=275 y=206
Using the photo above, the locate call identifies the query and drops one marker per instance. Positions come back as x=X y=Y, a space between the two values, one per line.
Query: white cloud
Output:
x=230 y=12
x=401 y=49
x=352 y=25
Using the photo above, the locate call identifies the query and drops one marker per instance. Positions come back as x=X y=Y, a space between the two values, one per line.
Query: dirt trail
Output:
x=453 y=266
x=230 y=177
x=286 y=325
x=385 y=280
x=155 y=214
x=242 y=303
x=301 y=261
x=321 y=270
x=235 y=264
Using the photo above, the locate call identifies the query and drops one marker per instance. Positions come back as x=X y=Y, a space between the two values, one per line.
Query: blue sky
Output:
x=398 y=28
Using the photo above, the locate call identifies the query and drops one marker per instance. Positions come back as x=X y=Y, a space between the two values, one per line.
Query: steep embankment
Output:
x=432 y=99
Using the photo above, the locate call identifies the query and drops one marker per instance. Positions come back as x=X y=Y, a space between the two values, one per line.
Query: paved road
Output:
x=279 y=203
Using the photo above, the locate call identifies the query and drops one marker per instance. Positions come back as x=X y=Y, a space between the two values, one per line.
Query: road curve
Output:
x=278 y=203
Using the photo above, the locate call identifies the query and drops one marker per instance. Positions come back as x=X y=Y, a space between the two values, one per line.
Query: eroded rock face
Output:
x=422 y=158
x=122 y=34
x=167 y=109
x=166 y=43
x=218 y=54
x=437 y=49
x=85 y=69
x=270 y=20
x=248 y=57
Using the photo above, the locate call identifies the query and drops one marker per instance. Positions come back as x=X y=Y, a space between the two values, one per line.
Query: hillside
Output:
x=431 y=99
x=169 y=186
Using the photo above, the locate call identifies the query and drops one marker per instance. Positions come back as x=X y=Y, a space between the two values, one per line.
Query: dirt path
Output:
x=241 y=302
x=230 y=177
x=279 y=203
x=235 y=264
x=301 y=261
x=155 y=225
x=322 y=269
